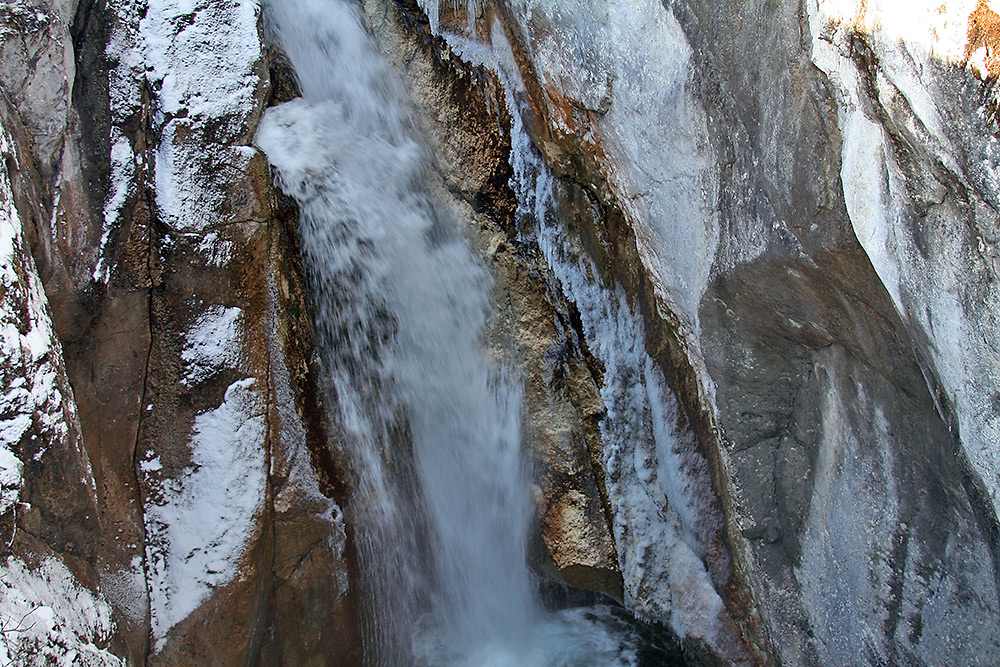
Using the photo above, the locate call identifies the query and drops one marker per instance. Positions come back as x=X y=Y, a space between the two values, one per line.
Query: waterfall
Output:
x=400 y=315
x=431 y=423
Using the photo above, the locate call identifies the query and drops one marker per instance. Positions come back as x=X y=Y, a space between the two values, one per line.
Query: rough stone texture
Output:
x=48 y=513
x=879 y=445
x=314 y=562
x=37 y=71
x=819 y=330
x=916 y=107
x=171 y=267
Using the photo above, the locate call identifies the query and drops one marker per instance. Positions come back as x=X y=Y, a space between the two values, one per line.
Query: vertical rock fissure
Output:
x=149 y=205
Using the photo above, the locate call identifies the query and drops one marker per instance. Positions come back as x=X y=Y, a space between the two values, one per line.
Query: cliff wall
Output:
x=744 y=259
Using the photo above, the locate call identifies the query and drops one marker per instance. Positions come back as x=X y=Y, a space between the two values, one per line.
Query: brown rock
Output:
x=463 y=115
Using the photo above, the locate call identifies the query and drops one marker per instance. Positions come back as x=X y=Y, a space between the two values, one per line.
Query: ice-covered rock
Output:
x=810 y=252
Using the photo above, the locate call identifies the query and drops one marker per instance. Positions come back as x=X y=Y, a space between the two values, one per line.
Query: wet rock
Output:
x=50 y=607
x=463 y=115
x=796 y=306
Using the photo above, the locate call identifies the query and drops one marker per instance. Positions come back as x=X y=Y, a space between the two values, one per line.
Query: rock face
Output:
x=49 y=610
x=797 y=206
x=168 y=258
x=744 y=258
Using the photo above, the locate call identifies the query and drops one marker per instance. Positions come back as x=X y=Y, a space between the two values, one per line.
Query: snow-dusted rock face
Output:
x=207 y=526
x=219 y=444
x=51 y=610
x=50 y=618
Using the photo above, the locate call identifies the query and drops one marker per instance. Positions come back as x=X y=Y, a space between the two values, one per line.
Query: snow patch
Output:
x=201 y=61
x=213 y=343
x=126 y=589
x=930 y=27
x=216 y=249
x=201 y=55
x=122 y=174
x=151 y=465
x=48 y=618
x=10 y=479
x=199 y=523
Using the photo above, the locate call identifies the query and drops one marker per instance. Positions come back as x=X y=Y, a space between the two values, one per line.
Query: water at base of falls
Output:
x=432 y=424
x=593 y=636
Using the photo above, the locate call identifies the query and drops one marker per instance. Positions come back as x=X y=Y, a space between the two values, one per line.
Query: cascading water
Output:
x=400 y=305
x=400 y=319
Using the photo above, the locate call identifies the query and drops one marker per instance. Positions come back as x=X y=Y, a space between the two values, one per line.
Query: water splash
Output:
x=400 y=307
x=441 y=506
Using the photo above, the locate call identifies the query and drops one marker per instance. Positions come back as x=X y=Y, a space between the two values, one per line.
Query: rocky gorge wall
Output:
x=744 y=254
x=708 y=167
x=203 y=528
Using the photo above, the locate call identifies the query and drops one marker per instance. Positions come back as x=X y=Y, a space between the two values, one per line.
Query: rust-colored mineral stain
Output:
x=984 y=32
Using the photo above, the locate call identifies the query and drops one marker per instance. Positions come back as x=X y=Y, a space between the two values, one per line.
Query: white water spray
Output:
x=400 y=305
x=400 y=310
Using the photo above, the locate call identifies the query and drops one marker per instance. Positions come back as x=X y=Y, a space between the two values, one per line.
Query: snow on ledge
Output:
x=199 y=528
x=49 y=619
x=213 y=343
